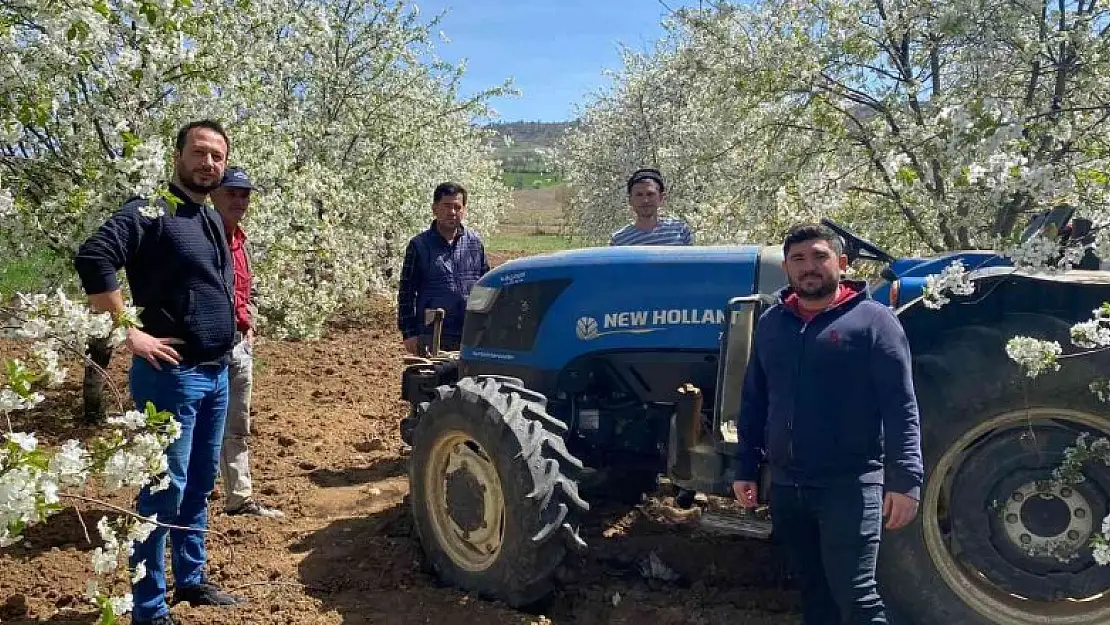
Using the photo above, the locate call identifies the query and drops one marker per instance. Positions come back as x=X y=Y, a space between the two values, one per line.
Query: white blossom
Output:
x=1090 y=334
x=104 y=561
x=953 y=279
x=124 y=468
x=122 y=604
x=7 y=204
x=1035 y=254
x=71 y=464
x=139 y=532
x=46 y=353
x=33 y=477
x=151 y=211
x=1034 y=355
x=131 y=420
x=1101 y=553
x=139 y=573
x=161 y=484
x=26 y=442
x=1101 y=389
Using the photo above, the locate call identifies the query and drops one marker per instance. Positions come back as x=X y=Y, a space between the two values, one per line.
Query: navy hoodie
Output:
x=831 y=400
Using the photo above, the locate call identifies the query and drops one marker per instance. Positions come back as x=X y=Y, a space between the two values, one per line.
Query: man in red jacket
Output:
x=232 y=199
x=844 y=450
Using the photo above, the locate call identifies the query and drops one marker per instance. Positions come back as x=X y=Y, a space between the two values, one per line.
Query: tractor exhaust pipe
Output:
x=434 y=317
x=686 y=433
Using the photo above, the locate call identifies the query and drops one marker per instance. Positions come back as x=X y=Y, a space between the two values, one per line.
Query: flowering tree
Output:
x=929 y=125
x=334 y=107
x=130 y=453
x=338 y=108
x=348 y=131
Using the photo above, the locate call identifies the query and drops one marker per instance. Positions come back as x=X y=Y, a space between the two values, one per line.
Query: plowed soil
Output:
x=325 y=449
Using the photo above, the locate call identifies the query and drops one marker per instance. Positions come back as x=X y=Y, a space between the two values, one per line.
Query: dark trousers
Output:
x=832 y=537
x=99 y=352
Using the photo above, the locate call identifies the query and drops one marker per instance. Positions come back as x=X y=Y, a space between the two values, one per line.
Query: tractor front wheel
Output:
x=999 y=540
x=493 y=499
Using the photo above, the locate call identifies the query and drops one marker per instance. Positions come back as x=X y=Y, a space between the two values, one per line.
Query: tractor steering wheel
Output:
x=855 y=244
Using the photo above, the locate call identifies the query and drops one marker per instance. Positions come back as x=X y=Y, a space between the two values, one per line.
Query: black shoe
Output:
x=204 y=594
x=254 y=508
x=165 y=619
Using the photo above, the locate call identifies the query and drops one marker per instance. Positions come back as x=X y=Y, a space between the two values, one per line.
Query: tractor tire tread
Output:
x=964 y=375
x=540 y=460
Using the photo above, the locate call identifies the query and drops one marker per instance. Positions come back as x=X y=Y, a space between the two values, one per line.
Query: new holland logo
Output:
x=586 y=329
x=645 y=321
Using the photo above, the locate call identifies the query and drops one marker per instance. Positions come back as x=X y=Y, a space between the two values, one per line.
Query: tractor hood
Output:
x=912 y=274
x=544 y=311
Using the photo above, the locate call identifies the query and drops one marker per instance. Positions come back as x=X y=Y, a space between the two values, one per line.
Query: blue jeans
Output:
x=832 y=536
x=197 y=396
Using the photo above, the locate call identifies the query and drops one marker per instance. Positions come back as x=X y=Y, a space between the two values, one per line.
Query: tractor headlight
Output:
x=481 y=298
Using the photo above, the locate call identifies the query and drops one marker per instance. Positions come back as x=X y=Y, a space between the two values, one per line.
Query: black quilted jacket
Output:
x=179 y=269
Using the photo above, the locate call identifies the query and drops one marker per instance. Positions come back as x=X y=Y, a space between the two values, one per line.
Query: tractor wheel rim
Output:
x=1072 y=530
x=971 y=585
x=466 y=501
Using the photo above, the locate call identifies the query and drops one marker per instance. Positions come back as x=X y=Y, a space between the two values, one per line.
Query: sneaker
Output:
x=254 y=508
x=204 y=594
x=165 y=619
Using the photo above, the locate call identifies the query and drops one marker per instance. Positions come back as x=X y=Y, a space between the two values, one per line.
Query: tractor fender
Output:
x=1070 y=296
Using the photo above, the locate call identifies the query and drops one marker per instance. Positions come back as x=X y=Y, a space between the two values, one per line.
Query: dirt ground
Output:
x=326 y=451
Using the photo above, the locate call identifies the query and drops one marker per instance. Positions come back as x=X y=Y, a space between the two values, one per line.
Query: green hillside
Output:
x=522 y=155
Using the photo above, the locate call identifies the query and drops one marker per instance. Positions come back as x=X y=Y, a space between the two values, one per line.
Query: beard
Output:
x=826 y=287
x=189 y=180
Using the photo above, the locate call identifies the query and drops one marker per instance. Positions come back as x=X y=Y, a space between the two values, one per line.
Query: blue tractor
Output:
x=589 y=373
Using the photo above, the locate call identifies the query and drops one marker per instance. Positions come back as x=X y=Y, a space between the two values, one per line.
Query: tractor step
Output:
x=736 y=524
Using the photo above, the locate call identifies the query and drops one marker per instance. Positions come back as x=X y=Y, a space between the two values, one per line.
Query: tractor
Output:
x=599 y=372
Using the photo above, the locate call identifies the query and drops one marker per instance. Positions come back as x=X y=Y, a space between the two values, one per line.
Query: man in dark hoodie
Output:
x=828 y=402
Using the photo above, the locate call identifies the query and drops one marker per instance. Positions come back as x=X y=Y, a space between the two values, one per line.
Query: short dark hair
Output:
x=808 y=232
x=209 y=124
x=646 y=173
x=448 y=188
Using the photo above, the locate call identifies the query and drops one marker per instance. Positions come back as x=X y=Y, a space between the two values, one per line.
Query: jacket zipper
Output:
x=797 y=378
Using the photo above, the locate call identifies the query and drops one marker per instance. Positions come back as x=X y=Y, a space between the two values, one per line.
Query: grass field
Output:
x=23 y=275
x=529 y=179
x=530 y=243
x=535 y=224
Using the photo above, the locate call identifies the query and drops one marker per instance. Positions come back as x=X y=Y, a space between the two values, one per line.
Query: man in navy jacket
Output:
x=828 y=402
x=181 y=274
x=442 y=264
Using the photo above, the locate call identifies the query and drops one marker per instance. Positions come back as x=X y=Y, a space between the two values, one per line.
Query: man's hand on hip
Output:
x=410 y=345
x=153 y=349
x=747 y=493
x=899 y=510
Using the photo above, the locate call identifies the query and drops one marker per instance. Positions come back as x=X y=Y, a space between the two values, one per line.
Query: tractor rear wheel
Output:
x=493 y=499
x=998 y=541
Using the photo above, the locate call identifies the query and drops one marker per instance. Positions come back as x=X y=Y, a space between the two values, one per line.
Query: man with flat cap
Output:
x=232 y=199
x=646 y=193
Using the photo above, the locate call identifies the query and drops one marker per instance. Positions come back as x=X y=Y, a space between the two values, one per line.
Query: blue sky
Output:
x=554 y=50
